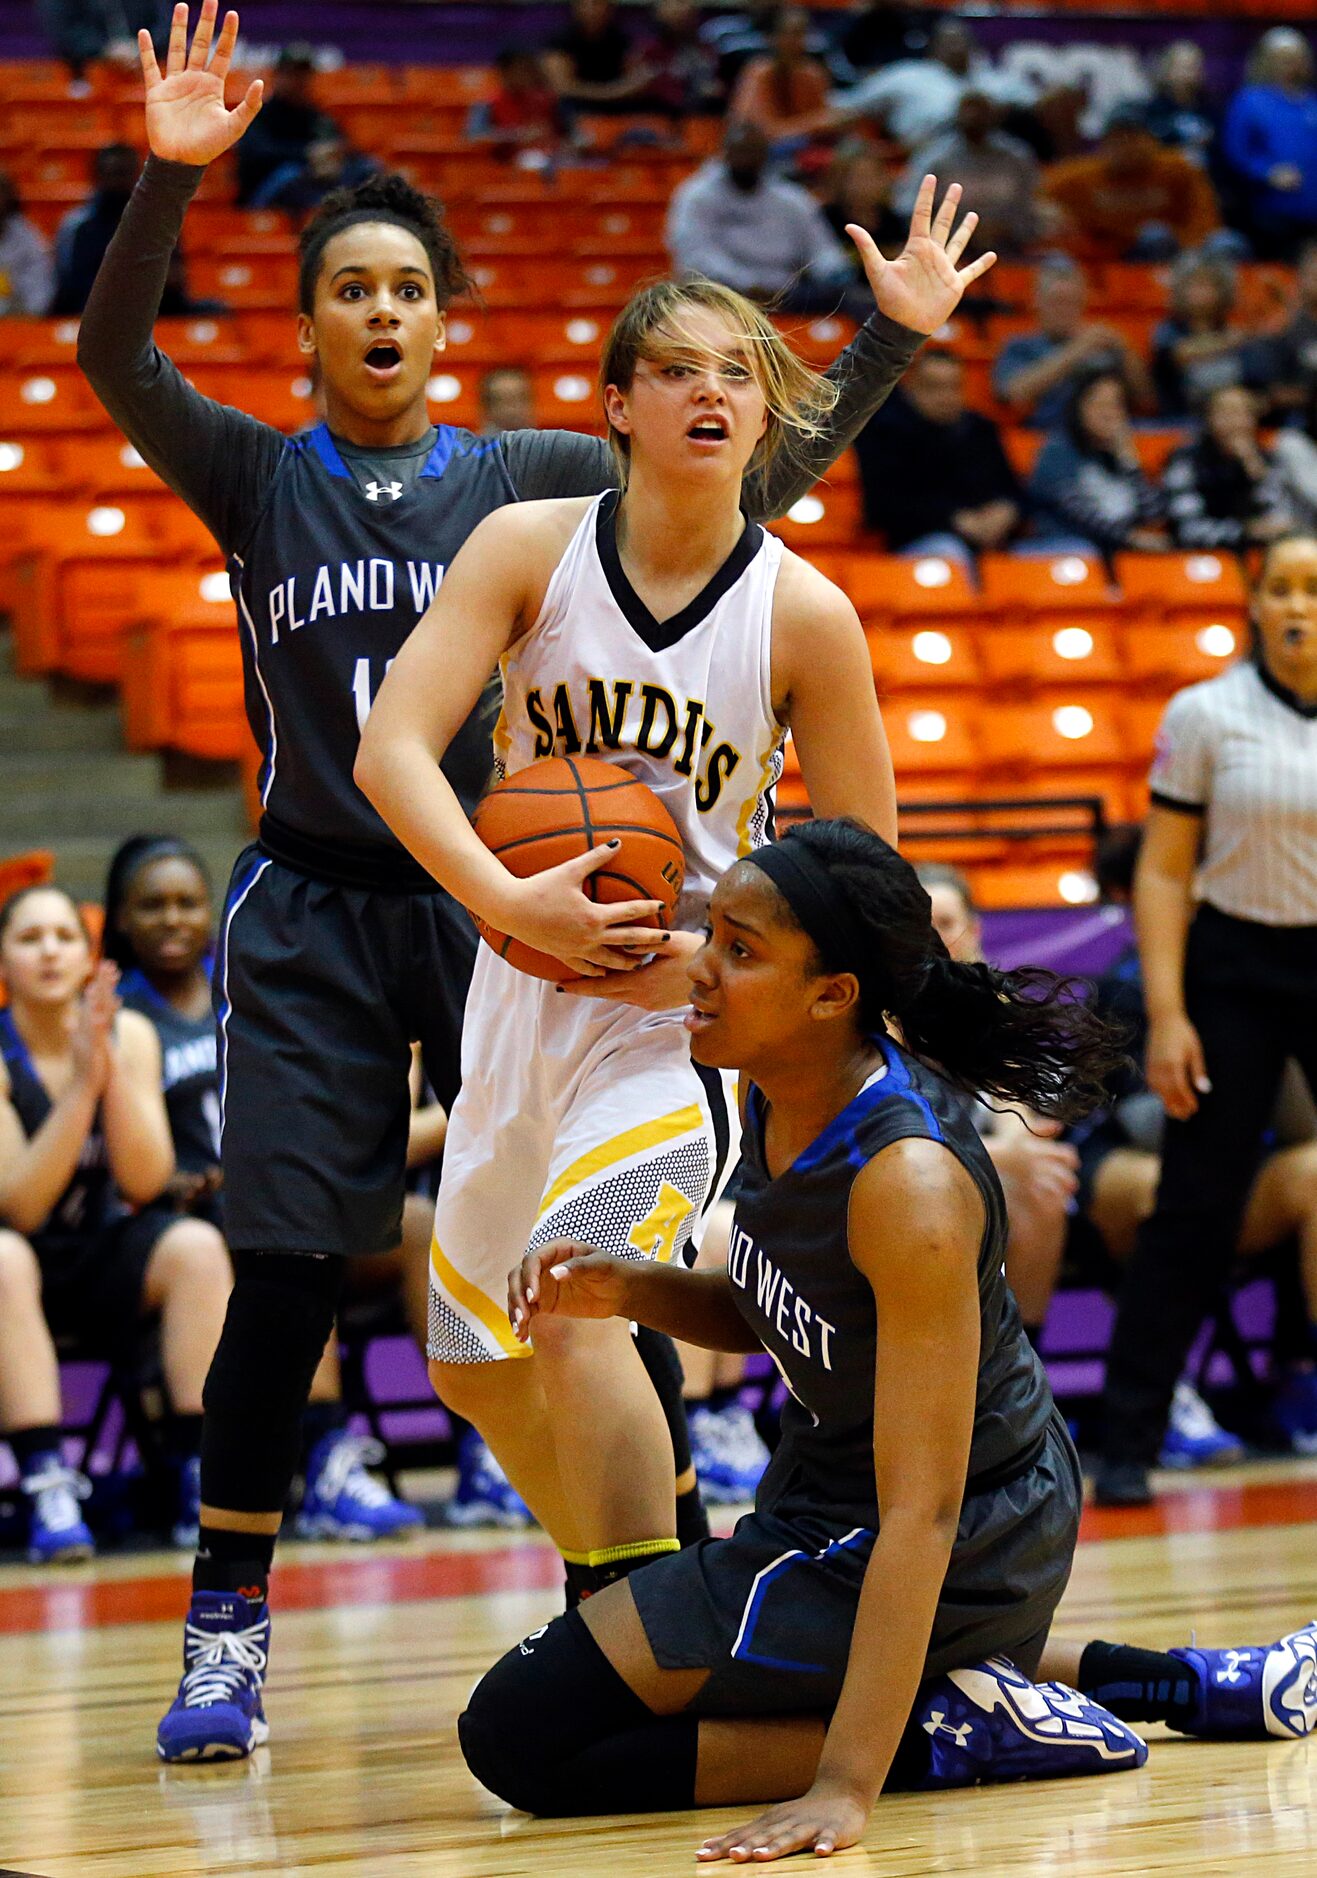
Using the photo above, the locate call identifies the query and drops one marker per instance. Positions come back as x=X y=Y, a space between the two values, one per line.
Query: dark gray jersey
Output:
x=796 y=1286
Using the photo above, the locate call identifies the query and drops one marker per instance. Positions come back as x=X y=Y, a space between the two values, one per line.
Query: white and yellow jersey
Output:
x=684 y=704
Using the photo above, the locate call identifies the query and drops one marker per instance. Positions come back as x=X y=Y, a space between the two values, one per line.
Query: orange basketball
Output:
x=561 y=807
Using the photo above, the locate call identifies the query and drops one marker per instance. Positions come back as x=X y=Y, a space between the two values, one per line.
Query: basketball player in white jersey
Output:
x=664 y=631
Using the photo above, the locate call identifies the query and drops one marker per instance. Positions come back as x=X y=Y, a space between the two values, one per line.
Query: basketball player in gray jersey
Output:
x=824 y=1652
x=337 y=951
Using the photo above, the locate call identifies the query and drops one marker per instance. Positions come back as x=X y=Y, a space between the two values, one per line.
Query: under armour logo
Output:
x=1231 y=1671
x=527 y=1647
x=374 y=491
x=937 y=1724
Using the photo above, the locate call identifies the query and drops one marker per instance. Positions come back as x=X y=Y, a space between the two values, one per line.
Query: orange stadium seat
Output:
x=1056 y=730
x=265 y=280
x=453 y=393
x=942 y=656
x=182 y=683
x=282 y=398
x=934 y=739
x=1178 y=652
x=48 y=399
x=1081 y=651
x=567 y=396
x=1131 y=287
x=1153 y=447
x=828 y=517
x=887 y=586
x=1023 y=448
x=1051 y=584
x=1195 y=583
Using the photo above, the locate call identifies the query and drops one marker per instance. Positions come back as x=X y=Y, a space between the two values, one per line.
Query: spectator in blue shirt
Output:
x=1270 y=141
x=1035 y=373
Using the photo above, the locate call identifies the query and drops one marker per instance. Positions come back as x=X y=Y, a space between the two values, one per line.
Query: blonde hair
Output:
x=655 y=325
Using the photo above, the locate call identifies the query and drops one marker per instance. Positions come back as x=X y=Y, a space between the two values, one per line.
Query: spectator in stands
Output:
x=682 y=78
x=784 y=93
x=82 y=31
x=935 y=477
x=1180 y=113
x=1036 y=373
x=1270 y=143
x=1052 y=124
x=1132 y=199
x=27 y=276
x=879 y=32
x=159 y=933
x=85 y=232
x=1196 y=349
x=290 y=123
x=915 y=100
x=859 y=189
x=736 y=224
x=1224 y=490
x=507 y=400
x=1293 y=370
x=593 y=64
x=1295 y=454
x=1088 y=491
x=329 y=164
x=525 y=119
x=999 y=176
x=84 y=1140
x=1038 y=1172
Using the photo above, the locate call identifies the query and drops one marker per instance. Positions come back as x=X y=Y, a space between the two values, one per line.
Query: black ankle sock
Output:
x=29 y=1443
x=234 y=1561
x=184 y=1436
x=318 y=1420
x=1139 y=1685
x=692 y=1519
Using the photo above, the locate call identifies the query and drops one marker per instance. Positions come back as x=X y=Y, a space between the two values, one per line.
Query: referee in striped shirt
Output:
x=1225 y=909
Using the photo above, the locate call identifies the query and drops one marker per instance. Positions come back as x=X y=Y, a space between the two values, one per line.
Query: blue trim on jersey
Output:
x=898 y=1081
x=326 y=449
x=224 y=1008
x=742 y=1652
x=841 y=1130
x=13 y=1047
x=136 y=984
x=445 y=443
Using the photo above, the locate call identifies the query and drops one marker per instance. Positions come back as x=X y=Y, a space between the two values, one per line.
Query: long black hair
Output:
x=1022 y=1036
x=384 y=198
x=130 y=857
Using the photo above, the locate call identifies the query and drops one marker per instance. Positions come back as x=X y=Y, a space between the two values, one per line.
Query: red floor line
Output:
x=70 y=1602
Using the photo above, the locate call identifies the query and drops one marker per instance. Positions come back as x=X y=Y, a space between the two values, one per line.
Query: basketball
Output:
x=561 y=807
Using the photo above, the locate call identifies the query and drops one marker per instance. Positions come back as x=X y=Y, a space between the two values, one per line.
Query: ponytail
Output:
x=1025 y=1036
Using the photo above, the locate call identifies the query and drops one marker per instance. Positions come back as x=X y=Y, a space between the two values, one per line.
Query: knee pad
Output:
x=280 y=1313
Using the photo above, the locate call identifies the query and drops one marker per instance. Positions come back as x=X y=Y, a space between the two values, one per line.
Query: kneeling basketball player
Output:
x=820 y=1653
x=666 y=632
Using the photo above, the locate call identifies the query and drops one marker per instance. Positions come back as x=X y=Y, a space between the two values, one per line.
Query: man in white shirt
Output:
x=917 y=99
x=739 y=225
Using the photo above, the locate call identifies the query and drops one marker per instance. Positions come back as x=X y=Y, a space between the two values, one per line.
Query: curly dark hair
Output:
x=1022 y=1036
x=387 y=197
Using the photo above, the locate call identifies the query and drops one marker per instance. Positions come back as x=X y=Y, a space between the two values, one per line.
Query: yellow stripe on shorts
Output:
x=633 y=1141
x=473 y=1299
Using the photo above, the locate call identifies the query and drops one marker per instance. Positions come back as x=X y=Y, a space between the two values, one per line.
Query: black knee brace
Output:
x=280 y=1313
x=554 y=1730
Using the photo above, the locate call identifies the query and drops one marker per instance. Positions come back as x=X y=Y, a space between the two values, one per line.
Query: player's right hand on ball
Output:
x=553 y=913
x=565 y=1279
x=186 y=118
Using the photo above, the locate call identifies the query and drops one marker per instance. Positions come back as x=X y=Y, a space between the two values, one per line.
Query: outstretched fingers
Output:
x=224 y=45
x=977 y=269
x=176 y=58
x=146 y=53
x=196 y=58
x=244 y=112
x=921 y=216
x=946 y=215
x=960 y=237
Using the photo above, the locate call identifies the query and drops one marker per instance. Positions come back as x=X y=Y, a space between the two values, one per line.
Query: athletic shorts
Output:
x=93 y=1290
x=577 y=1119
x=320 y=991
x=771 y=1610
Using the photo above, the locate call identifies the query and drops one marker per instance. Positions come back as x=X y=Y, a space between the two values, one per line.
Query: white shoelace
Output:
x=1191 y=1415
x=731 y=1437
x=345 y=1472
x=221 y=1663
x=56 y=1492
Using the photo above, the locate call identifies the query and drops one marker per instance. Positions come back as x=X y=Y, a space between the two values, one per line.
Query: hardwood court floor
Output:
x=374 y=1653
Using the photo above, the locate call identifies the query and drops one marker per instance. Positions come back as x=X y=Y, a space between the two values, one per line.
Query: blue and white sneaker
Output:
x=1246 y=1695
x=484 y=1496
x=728 y=1454
x=217 y=1714
x=1194 y=1437
x=58 y=1534
x=990 y=1724
x=187 y=1526
x=1294 y=1410
x=343 y=1501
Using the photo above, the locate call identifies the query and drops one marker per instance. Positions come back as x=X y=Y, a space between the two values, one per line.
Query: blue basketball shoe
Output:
x=1194 y=1437
x=58 y=1534
x=217 y=1713
x=990 y=1724
x=484 y=1496
x=343 y=1501
x=728 y=1454
x=1246 y=1695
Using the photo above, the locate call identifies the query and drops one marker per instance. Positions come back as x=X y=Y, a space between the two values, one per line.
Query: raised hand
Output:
x=92 y=1028
x=186 y=118
x=922 y=287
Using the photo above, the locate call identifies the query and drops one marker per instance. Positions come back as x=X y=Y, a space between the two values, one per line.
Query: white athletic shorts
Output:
x=577 y=1119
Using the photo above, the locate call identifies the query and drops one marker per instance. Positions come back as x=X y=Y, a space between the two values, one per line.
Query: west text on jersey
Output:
x=364 y=586
x=792 y=1316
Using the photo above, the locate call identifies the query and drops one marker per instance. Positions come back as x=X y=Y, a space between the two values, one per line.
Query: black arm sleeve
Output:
x=218 y=460
x=561 y=463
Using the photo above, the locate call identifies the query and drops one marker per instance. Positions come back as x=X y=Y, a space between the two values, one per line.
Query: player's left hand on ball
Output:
x=566 y=1279
x=662 y=985
x=922 y=287
x=820 y=1821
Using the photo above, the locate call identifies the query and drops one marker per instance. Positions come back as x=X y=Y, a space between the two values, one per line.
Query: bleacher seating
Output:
x=1039 y=675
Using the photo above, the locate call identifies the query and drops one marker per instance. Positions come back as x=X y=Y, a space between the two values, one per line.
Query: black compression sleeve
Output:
x=218 y=460
x=549 y=463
